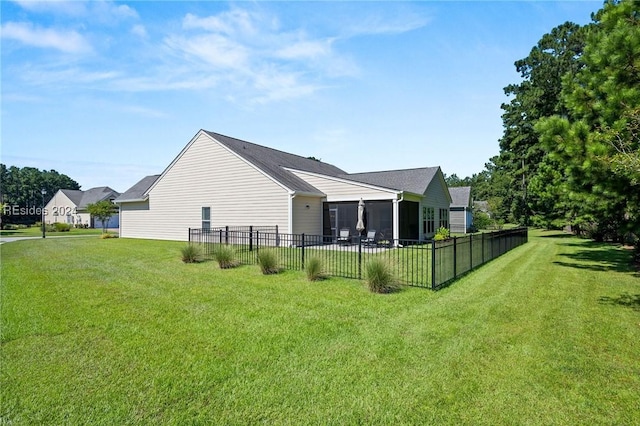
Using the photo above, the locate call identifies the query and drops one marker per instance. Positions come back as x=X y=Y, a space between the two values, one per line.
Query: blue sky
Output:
x=108 y=92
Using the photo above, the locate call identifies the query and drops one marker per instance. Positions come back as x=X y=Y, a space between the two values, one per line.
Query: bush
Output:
x=106 y=235
x=61 y=227
x=268 y=262
x=380 y=277
x=441 y=234
x=191 y=253
x=314 y=269
x=225 y=256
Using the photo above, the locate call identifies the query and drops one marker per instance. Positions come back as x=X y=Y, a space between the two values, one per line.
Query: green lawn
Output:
x=122 y=332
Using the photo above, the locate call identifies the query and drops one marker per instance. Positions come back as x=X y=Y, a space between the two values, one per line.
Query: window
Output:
x=206 y=218
x=444 y=218
x=428 y=216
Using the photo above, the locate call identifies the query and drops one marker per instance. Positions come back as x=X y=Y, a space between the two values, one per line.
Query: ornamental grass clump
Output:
x=191 y=253
x=314 y=269
x=380 y=278
x=268 y=262
x=226 y=257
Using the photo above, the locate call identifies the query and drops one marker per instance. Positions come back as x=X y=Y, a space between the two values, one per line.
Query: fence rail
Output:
x=428 y=264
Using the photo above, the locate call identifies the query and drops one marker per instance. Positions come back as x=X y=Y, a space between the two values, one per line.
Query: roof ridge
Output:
x=393 y=170
x=264 y=146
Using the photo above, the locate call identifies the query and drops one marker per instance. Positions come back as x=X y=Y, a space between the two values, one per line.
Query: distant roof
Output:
x=410 y=180
x=136 y=192
x=273 y=163
x=83 y=198
x=460 y=196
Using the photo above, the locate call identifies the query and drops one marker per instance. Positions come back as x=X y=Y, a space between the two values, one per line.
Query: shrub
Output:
x=191 y=253
x=441 y=234
x=62 y=227
x=314 y=269
x=225 y=256
x=380 y=277
x=268 y=262
x=106 y=235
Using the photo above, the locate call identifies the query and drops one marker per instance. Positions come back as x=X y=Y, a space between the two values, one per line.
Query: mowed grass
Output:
x=122 y=332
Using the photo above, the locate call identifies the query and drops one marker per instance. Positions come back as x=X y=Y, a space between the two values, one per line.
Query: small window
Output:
x=206 y=218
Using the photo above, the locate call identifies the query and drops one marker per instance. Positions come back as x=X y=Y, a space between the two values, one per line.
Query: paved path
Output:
x=12 y=239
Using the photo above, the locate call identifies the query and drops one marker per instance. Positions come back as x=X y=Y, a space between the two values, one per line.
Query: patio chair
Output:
x=370 y=239
x=345 y=236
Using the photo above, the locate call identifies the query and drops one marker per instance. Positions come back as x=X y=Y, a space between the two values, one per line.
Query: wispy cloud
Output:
x=105 y=11
x=69 y=41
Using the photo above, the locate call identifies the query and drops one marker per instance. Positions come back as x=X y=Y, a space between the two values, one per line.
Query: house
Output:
x=70 y=206
x=461 y=209
x=217 y=181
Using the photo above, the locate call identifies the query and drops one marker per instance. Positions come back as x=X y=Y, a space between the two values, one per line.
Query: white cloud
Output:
x=139 y=30
x=102 y=10
x=64 y=40
x=306 y=49
x=213 y=49
x=234 y=22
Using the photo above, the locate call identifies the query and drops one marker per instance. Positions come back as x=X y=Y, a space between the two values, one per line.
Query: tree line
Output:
x=22 y=188
x=570 y=149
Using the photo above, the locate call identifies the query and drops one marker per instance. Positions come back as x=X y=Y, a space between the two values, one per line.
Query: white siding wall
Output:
x=435 y=196
x=208 y=175
x=134 y=220
x=307 y=220
x=344 y=191
x=61 y=205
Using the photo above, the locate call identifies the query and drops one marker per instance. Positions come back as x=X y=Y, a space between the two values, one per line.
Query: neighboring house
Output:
x=482 y=206
x=461 y=209
x=217 y=181
x=70 y=206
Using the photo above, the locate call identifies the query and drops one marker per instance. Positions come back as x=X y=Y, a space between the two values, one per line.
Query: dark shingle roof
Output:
x=409 y=180
x=83 y=198
x=137 y=191
x=460 y=196
x=273 y=163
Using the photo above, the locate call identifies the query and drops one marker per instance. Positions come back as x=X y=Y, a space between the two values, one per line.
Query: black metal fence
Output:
x=429 y=264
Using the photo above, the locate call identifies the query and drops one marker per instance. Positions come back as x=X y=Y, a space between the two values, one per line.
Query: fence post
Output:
x=250 y=237
x=189 y=234
x=303 y=251
x=483 y=248
x=455 y=257
x=277 y=237
x=226 y=234
x=470 y=251
x=433 y=264
x=359 y=257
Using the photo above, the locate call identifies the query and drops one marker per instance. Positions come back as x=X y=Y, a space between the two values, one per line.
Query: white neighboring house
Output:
x=70 y=206
x=220 y=181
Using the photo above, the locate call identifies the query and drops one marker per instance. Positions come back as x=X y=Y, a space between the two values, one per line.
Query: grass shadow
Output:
x=600 y=257
x=625 y=299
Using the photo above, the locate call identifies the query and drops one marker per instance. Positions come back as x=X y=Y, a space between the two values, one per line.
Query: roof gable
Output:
x=83 y=198
x=460 y=196
x=409 y=180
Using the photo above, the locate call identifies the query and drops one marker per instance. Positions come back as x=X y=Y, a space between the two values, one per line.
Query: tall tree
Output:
x=537 y=96
x=596 y=141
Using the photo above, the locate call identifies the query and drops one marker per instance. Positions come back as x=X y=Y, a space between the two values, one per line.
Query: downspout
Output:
x=396 y=216
x=292 y=195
